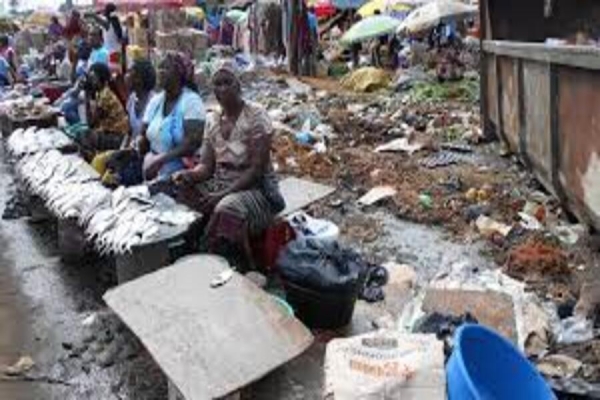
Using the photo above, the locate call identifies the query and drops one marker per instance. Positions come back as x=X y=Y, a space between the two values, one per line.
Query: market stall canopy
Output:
x=348 y=4
x=240 y=4
x=236 y=16
x=39 y=18
x=195 y=12
x=382 y=5
x=129 y=5
x=369 y=28
x=431 y=14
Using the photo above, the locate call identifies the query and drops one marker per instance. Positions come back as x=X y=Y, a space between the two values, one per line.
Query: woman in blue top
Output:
x=173 y=123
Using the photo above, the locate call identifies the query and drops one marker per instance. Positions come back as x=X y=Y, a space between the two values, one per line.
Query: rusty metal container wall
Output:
x=579 y=138
x=537 y=119
x=509 y=90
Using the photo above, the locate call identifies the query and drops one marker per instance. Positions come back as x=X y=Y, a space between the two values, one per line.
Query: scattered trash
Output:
x=442 y=159
x=569 y=234
x=534 y=261
x=488 y=227
x=401 y=144
x=401 y=276
x=589 y=300
x=530 y=222
x=474 y=211
x=426 y=201
x=457 y=147
x=366 y=79
x=307 y=227
x=385 y=364
x=377 y=194
x=222 y=278
x=575 y=389
x=559 y=366
x=298 y=87
x=376 y=278
x=443 y=326
x=574 y=330
x=21 y=367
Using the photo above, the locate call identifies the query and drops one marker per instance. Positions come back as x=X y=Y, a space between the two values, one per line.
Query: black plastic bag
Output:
x=322 y=266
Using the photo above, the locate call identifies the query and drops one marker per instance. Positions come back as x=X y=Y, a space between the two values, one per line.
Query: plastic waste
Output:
x=308 y=227
x=576 y=329
x=377 y=194
x=488 y=226
x=425 y=200
x=321 y=266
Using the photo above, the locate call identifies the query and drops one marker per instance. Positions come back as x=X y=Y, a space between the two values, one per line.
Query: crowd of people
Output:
x=149 y=125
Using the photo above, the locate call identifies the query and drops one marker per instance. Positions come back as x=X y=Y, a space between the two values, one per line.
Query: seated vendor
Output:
x=234 y=184
x=174 y=119
x=106 y=116
x=124 y=167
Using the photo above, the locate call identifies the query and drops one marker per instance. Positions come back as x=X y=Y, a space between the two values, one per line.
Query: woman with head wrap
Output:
x=234 y=184
x=173 y=120
x=124 y=167
x=106 y=115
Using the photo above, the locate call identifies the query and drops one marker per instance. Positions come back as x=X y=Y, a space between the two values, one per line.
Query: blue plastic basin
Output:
x=485 y=366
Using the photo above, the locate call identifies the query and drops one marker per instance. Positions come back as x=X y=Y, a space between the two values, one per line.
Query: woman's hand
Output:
x=154 y=167
x=186 y=177
x=210 y=202
x=143 y=145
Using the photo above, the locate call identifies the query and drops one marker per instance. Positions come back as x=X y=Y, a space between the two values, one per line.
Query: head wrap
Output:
x=183 y=66
x=226 y=67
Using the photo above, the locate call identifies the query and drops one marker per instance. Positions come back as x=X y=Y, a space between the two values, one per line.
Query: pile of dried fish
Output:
x=62 y=181
x=114 y=221
x=33 y=140
x=130 y=217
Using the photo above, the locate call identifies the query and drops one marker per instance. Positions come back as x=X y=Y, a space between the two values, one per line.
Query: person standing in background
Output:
x=75 y=27
x=8 y=53
x=99 y=53
x=55 y=29
x=113 y=36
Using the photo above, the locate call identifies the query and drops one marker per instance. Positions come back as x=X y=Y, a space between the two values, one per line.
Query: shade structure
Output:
x=133 y=5
x=431 y=14
x=40 y=18
x=236 y=16
x=348 y=4
x=384 y=6
x=369 y=28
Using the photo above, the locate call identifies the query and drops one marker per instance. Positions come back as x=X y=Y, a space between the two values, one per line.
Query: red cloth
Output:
x=266 y=249
x=74 y=28
x=52 y=92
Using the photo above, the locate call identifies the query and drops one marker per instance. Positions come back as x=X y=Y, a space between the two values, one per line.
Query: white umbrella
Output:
x=431 y=14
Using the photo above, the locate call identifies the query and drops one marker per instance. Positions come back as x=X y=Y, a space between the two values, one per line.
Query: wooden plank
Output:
x=299 y=193
x=208 y=341
x=576 y=56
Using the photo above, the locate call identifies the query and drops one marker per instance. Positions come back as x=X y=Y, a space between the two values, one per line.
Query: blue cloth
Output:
x=313 y=23
x=167 y=132
x=4 y=72
x=99 y=56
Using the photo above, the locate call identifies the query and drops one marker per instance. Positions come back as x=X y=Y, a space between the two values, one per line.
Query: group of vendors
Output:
x=157 y=132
